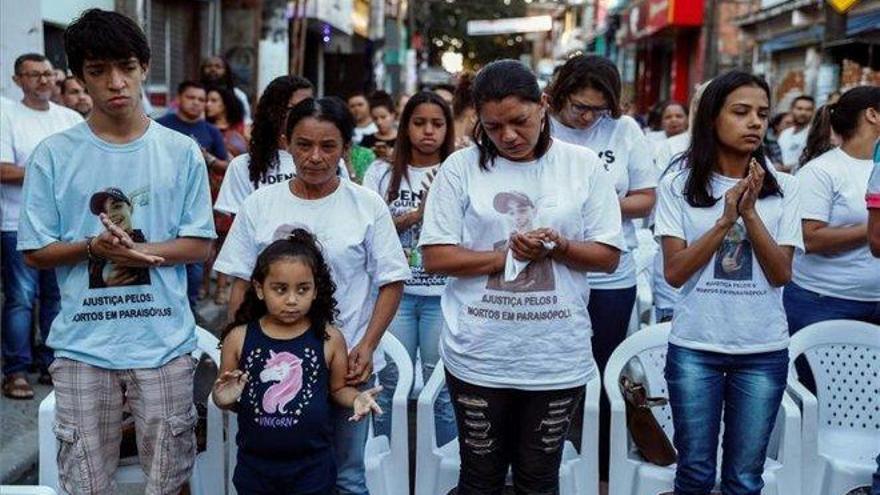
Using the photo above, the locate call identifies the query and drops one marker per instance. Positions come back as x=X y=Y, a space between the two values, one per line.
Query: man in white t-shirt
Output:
x=793 y=140
x=23 y=125
x=363 y=121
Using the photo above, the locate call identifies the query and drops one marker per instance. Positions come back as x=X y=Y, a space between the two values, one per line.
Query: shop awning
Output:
x=794 y=39
x=869 y=21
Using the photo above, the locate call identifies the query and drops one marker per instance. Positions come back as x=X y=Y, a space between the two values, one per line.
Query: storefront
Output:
x=666 y=38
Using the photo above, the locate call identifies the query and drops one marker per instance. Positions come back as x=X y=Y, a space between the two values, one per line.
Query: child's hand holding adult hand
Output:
x=365 y=402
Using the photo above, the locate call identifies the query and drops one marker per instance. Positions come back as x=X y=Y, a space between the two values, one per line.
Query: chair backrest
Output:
x=207 y=344
x=844 y=356
x=647 y=350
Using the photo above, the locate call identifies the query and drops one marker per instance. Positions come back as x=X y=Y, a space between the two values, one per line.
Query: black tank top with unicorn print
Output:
x=284 y=410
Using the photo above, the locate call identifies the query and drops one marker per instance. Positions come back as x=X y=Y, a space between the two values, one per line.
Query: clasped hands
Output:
x=536 y=244
x=115 y=245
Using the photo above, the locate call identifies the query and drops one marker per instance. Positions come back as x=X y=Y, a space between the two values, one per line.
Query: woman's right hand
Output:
x=731 y=203
x=228 y=387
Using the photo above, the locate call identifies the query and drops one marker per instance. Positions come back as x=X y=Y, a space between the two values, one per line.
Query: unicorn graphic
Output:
x=286 y=369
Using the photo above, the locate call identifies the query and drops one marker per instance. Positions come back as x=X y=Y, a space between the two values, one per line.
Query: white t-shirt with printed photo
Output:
x=410 y=196
x=355 y=231
x=792 y=145
x=21 y=130
x=626 y=155
x=728 y=306
x=532 y=332
x=237 y=184
x=833 y=187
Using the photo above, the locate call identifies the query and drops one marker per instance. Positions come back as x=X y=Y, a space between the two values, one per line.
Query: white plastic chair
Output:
x=437 y=466
x=25 y=490
x=630 y=474
x=841 y=427
x=207 y=475
x=386 y=461
x=644 y=261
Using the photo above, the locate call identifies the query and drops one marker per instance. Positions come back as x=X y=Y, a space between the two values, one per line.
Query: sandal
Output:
x=16 y=386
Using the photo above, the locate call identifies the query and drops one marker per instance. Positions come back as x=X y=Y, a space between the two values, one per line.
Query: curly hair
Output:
x=269 y=119
x=300 y=245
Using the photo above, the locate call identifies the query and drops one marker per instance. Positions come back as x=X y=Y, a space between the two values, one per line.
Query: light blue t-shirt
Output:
x=156 y=188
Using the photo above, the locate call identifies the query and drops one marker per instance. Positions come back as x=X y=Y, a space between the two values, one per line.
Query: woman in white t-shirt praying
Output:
x=516 y=222
x=425 y=137
x=837 y=278
x=358 y=240
x=584 y=101
x=729 y=229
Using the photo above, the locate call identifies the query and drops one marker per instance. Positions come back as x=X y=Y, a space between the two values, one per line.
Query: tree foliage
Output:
x=443 y=24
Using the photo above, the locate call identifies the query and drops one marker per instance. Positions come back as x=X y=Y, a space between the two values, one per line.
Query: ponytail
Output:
x=252 y=308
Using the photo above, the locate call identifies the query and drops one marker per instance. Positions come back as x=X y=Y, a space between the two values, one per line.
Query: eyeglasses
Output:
x=595 y=110
x=36 y=75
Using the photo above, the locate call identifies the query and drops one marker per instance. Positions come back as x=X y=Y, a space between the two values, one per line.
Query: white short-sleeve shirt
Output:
x=833 y=187
x=356 y=234
x=728 y=306
x=532 y=332
x=627 y=157
x=21 y=130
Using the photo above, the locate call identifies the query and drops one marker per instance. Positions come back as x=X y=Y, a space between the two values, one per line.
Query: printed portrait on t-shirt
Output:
x=119 y=208
x=733 y=260
x=520 y=213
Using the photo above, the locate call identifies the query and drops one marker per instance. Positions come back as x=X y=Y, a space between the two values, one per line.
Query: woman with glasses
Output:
x=584 y=103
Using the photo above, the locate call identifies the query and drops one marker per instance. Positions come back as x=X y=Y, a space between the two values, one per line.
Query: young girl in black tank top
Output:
x=282 y=362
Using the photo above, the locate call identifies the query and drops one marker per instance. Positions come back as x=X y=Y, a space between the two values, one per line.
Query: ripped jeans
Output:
x=503 y=427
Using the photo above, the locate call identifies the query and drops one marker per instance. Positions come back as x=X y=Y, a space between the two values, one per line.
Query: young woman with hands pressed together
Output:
x=729 y=228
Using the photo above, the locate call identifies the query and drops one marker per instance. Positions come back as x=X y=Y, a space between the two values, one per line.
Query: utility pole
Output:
x=710 y=53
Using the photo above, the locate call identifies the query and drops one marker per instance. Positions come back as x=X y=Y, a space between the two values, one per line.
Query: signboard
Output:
x=534 y=24
x=842 y=6
x=650 y=16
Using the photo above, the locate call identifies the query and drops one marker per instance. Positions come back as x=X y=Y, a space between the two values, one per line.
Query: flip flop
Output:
x=17 y=387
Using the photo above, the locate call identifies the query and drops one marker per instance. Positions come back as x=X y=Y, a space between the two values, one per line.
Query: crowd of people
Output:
x=490 y=226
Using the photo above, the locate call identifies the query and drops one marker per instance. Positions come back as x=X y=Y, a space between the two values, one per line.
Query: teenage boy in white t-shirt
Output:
x=23 y=125
x=126 y=194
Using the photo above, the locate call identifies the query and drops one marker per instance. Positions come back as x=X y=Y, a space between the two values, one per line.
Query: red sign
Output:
x=650 y=16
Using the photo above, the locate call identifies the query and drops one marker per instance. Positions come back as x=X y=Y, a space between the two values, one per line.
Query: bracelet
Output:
x=89 y=254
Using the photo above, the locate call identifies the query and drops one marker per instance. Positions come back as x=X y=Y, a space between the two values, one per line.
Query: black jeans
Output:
x=503 y=427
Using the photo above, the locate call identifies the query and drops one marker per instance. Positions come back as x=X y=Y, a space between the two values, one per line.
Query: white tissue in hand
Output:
x=513 y=267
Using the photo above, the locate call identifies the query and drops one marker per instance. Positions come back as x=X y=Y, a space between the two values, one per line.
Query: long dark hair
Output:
x=330 y=109
x=702 y=154
x=842 y=117
x=586 y=71
x=403 y=146
x=234 y=108
x=268 y=125
x=302 y=246
x=495 y=82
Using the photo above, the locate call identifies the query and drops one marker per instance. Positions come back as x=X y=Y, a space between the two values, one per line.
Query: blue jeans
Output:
x=349 y=440
x=610 y=311
x=194 y=274
x=804 y=307
x=417 y=325
x=22 y=285
x=748 y=387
